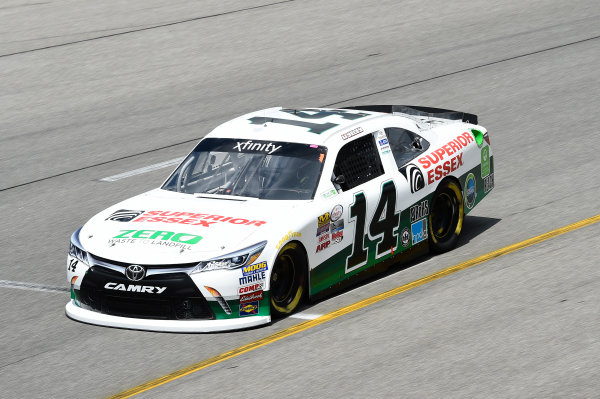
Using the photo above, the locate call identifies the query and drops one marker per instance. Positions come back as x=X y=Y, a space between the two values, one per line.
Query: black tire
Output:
x=288 y=280
x=446 y=216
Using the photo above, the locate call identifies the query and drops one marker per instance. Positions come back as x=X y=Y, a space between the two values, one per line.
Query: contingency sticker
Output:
x=419 y=231
x=323 y=224
x=253 y=273
x=470 y=191
x=485 y=161
x=488 y=183
x=337 y=224
x=249 y=308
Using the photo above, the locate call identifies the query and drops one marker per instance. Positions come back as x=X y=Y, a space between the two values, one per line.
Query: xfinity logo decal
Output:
x=149 y=289
x=251 y=146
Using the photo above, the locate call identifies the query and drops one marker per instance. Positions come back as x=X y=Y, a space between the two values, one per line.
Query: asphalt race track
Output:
x=90 y=90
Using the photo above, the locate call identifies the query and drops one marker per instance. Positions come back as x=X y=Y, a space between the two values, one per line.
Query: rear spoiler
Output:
x=419 y=111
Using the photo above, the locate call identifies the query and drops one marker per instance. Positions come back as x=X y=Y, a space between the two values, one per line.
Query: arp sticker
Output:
x=470 y=191
x=485 y=161
x=248 y=308
x=419 y=231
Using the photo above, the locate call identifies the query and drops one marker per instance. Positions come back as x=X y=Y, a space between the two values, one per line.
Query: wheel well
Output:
x=449 y=178
x=303 y=250
x=301 y=246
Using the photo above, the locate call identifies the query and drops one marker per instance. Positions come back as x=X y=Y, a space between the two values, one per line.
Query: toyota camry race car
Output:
x=277 y=206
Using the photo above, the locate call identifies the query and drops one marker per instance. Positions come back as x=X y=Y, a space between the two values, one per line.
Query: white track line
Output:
x=32 y=286
x=145 y=169
x=305 y=316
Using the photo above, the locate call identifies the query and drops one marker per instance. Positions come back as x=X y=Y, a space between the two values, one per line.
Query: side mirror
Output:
x=339 y=180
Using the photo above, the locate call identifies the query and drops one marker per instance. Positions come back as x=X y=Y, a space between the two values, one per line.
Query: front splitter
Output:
x=181 y=326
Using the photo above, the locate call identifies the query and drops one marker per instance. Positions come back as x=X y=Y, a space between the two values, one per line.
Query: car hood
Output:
x=163 y=227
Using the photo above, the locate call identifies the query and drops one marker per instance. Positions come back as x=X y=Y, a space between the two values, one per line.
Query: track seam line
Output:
x=352 y=308
x=100 y=164
x=327 y=105
x=142 y=170
x=465 y=70
x=143 y=29
x=22 y=285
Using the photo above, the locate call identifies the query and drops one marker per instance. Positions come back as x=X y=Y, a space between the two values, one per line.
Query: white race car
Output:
x=277 y=206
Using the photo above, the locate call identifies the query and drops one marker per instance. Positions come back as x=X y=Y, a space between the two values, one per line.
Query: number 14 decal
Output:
x=384 y=224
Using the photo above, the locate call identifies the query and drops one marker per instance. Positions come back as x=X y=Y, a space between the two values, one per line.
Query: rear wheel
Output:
x=446 y=216
x=288 y=280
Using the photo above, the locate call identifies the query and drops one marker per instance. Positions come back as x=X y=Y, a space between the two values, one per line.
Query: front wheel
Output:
x=446 y=217
x=288 y=280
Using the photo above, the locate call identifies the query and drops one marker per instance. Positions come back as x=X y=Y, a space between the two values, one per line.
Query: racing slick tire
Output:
x=288 y=280
x=446 y=216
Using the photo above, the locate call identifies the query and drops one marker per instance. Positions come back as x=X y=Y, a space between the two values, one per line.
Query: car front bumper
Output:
x=182 y=326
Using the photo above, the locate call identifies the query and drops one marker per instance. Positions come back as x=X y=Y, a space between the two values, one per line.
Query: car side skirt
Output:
x=380 y=267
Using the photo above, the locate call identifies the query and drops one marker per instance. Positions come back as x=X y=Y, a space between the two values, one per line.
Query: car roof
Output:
x=305 y=125
x=333 y=127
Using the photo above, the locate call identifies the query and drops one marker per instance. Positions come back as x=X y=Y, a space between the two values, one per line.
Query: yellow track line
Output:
x=351 y=308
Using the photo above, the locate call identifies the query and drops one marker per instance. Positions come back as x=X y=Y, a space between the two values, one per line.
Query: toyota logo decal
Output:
x=135 y=272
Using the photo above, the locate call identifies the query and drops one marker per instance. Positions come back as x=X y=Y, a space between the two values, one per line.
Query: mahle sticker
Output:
x=485 y=161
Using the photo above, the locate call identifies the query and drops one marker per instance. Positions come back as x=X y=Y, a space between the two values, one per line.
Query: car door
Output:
x=405 y=146
x=362 y=227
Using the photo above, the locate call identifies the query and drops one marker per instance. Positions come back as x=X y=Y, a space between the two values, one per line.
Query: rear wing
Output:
x=419 y=111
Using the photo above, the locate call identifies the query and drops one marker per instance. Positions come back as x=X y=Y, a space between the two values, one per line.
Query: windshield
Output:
x=250 y=168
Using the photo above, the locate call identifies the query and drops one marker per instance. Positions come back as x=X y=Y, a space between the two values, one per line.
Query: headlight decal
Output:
x=234 y=260
x=76 y=249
